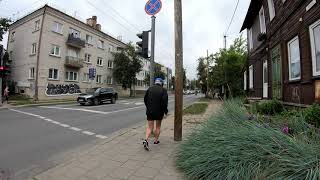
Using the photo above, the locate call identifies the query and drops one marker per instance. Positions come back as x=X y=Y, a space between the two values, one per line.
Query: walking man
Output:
x=156 y=101
x=6 y=95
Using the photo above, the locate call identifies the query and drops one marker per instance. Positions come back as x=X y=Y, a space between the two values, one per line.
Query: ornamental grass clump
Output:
x=230 y=146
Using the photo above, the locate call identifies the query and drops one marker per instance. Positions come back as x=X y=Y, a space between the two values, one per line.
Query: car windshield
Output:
x=109 y=89
x=92 y=90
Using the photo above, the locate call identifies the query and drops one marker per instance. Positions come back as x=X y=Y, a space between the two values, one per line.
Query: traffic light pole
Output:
x=153 y=33
x=179 y=70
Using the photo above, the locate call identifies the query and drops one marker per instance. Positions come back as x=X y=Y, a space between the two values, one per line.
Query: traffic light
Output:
x=144 y=44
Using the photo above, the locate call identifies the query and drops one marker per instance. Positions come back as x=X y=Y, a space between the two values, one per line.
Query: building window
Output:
x=110 y=64
x=250 y=39
x=55 y=50
x=272 y=11
x=262 y=21
x=315 y=47
x=251 y=77
x=57 y=27
x=111 y=48
x=72 y=52
x=53 y=74
x=85 y=77
x=100 y=44
x=71 y=76
x=89 y=39
x=99 y=79
x=87 y=58
x=37 y=25
x=34 y=49
x=245 y=80
x=100 y=61
x=75 y=33
x=13 y=34
x=109 y=80
x=294 y=59
x=31 y=73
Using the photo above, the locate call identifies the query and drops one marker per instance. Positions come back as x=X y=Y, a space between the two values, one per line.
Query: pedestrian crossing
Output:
x=125 y=102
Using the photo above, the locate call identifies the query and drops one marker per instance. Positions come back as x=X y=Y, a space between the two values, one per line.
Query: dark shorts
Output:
x=154 y=118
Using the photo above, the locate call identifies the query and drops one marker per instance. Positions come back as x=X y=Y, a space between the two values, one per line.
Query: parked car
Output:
x=96 y=96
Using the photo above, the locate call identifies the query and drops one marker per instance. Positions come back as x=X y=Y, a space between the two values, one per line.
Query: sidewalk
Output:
x=123 y=156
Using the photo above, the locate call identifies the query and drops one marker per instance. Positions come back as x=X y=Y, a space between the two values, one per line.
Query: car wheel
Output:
x=113 y=100
x=96 y=101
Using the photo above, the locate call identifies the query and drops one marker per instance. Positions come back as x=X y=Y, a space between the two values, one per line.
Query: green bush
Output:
x=230 y=146
x=312 y=115
x=270 y=107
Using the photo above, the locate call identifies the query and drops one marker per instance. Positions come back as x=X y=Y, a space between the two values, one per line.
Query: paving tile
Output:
x=165 y=177
x=121 y=173
x=132 y=164
x=155 y=163
x=120 y=158
x=147 y=172
x=139 y=178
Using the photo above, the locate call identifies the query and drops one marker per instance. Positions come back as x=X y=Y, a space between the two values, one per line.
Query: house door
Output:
x=276 y=73
x=265 y=79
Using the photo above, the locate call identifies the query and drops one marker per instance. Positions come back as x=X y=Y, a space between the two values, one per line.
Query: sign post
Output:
x=152 y=8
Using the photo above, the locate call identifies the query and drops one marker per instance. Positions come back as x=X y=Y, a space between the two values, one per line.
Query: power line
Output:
x=234 y=12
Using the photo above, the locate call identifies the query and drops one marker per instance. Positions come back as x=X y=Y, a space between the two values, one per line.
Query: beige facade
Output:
x=54 y=51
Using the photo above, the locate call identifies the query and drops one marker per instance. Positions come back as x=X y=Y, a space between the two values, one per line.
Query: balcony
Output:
x=76 y=42
x=73 y=62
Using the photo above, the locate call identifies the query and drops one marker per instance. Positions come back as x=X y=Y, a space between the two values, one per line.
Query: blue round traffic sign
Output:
x=153 y=7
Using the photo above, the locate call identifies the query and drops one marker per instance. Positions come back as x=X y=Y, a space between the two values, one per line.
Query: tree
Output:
x=202 y=74
x=184 y=78
x=4 y=26
x=157 y=73
x=126 y=65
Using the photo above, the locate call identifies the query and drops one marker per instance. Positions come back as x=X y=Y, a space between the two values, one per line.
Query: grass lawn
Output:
x=203 y=99
x=197 y=108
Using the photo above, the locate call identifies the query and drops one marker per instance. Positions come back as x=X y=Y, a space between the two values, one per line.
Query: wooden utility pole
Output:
x=179 y=70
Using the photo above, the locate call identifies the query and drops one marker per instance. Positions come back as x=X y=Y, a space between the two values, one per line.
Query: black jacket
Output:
x=156 y=101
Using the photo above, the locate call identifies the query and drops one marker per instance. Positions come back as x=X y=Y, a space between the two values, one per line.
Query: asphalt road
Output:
x=36 y=138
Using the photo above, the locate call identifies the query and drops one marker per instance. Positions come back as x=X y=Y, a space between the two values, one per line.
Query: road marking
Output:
x=139 y=103
x=88 y=133
x=101 y=137
x=61 y=124
x=74 y=109
x=126 y=103
x=65 y=125
x=75 y=129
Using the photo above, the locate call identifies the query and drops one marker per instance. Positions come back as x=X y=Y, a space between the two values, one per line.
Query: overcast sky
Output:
x=204 y=22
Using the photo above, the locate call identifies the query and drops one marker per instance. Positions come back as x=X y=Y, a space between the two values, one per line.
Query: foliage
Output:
x=312 y=115
x=197 y=108
x=184 y=79
x=227 y=70
x=157 y=73
x=126 y=65
x=229 y=146
x=270 y=107
x=4 y=26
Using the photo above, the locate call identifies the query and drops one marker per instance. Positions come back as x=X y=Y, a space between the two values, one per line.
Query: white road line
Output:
x=49 y=120
x=55 y=122
x=101 y=137
x=75 y=129
x=64 y=125
x=126 y=103
x=139 y=103
x=74 y=109
x=88 y=133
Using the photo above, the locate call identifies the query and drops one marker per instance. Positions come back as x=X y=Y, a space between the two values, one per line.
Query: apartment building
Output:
x=283 y=50
x=52 y=53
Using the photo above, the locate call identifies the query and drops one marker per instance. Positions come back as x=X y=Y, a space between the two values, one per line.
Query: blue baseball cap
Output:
x=158 y=81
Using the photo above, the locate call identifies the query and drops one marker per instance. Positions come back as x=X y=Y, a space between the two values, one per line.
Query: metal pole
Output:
x=225 y=75
x=207 y=94
x=179 y=70
x=153 y=35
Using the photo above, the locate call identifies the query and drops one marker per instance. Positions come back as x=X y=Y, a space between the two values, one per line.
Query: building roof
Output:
x=253 y=11
x=47 y=6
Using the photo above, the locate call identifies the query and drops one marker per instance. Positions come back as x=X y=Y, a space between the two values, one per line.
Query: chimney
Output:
x=94 y=21
x=98 y=27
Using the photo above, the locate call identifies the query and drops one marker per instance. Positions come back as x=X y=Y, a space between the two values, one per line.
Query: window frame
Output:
x=272 y=10
x=111 y=80
x=55 y=47
x=97 y=78
x=91 y=41
x=84 y=79
x=87 y=56
x=68 y=73
x=102 y=44
x=99 y=59
x=296 y=38
x=251 y=77
x=37 y=25
x=313 y=48
x=56 y=28
x=53 y=71
x=33 y=49
x=245 y=80
x=31 y=73
x=73 y=30
x=250 y=38
x=112 y=62
x=263 y=28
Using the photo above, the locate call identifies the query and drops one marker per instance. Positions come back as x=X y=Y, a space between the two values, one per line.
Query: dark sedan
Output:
x=96 y=96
